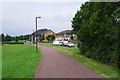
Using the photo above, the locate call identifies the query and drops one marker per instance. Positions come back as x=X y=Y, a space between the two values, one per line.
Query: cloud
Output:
x=19 y=17
x=0 y=18
x=44 y=0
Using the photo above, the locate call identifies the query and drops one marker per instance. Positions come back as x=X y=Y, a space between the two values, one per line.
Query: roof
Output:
x=40 y=32
x=64 y=32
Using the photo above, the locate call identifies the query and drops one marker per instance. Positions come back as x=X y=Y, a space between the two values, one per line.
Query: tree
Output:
x=8 y=38
x=21 y=37
x=96 y=26
x=50 y=37
x=12 y=38
x=41 y=38
x=71 y=37
x=16 y=39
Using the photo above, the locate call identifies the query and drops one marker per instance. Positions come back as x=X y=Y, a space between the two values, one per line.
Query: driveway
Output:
x=55 y=64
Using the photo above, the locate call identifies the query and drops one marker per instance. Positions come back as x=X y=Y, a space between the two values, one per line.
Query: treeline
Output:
x=9 y=38
x=96 y=25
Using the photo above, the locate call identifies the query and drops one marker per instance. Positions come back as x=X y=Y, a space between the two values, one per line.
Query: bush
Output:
x=13 y=43
x=50 y=38
x=88 y=54
x=71 y=37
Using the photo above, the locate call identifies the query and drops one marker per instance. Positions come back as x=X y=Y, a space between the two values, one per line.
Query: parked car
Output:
x=61 y=43
x=55 y=42
x=65 y=43
x=69 y=44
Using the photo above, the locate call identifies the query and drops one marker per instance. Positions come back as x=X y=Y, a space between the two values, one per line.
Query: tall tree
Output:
x=96 y=26
x=8 y=38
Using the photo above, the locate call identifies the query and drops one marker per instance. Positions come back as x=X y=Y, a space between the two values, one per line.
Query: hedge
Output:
x=13 y=42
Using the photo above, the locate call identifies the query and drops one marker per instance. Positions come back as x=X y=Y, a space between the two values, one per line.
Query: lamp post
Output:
x=36 y=32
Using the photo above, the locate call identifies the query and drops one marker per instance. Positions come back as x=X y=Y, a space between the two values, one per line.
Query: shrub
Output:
x=13 y=43
x=88 y=54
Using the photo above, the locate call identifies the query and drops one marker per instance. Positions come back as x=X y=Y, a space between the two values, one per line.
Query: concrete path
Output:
x=55 y=64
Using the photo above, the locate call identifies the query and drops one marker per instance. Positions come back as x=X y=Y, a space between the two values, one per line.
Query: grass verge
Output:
x=102 y=69
x=19 y=61
x=0 y=61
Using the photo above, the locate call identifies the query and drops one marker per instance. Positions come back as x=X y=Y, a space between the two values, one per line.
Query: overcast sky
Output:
x=18 y=18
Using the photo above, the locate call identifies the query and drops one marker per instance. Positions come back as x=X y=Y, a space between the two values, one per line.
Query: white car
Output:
x=61 y=43
x=65 y=43
x=55 y=42
x=69 y=44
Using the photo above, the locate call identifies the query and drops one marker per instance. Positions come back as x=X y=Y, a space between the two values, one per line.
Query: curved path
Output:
x=55 y=64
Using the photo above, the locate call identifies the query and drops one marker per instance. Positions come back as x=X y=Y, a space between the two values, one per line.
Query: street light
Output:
x=36 y=32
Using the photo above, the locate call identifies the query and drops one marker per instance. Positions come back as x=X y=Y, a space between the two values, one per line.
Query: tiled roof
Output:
x=64 y=32
x=40 y=32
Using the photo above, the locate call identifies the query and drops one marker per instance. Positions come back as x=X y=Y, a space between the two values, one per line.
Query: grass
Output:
x=19 y=61
x=74 y=41
x=102 y=69
x=0 y=61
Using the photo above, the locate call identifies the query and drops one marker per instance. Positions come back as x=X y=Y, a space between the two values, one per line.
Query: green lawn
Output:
x=102 y=69
x=19 y=61
x=0 y=61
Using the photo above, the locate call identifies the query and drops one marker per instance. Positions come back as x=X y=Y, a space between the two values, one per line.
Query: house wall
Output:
x=48 y=33
x=59 y=37
x=65 y=36
x=62 y=37
x=75 y=36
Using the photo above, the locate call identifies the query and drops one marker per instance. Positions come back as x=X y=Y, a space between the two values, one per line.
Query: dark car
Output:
x=61 y=43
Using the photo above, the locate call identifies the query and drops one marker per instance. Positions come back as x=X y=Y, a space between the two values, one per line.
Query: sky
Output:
x=18 y=18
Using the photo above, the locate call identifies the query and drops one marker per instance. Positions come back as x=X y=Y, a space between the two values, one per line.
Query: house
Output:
x=65 y=35
x=41 y=32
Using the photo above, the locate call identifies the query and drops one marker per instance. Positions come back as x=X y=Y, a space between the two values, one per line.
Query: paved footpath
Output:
x=55 y=64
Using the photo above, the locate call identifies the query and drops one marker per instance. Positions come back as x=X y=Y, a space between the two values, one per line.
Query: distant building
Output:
x=41 y=32
x=65 y=35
